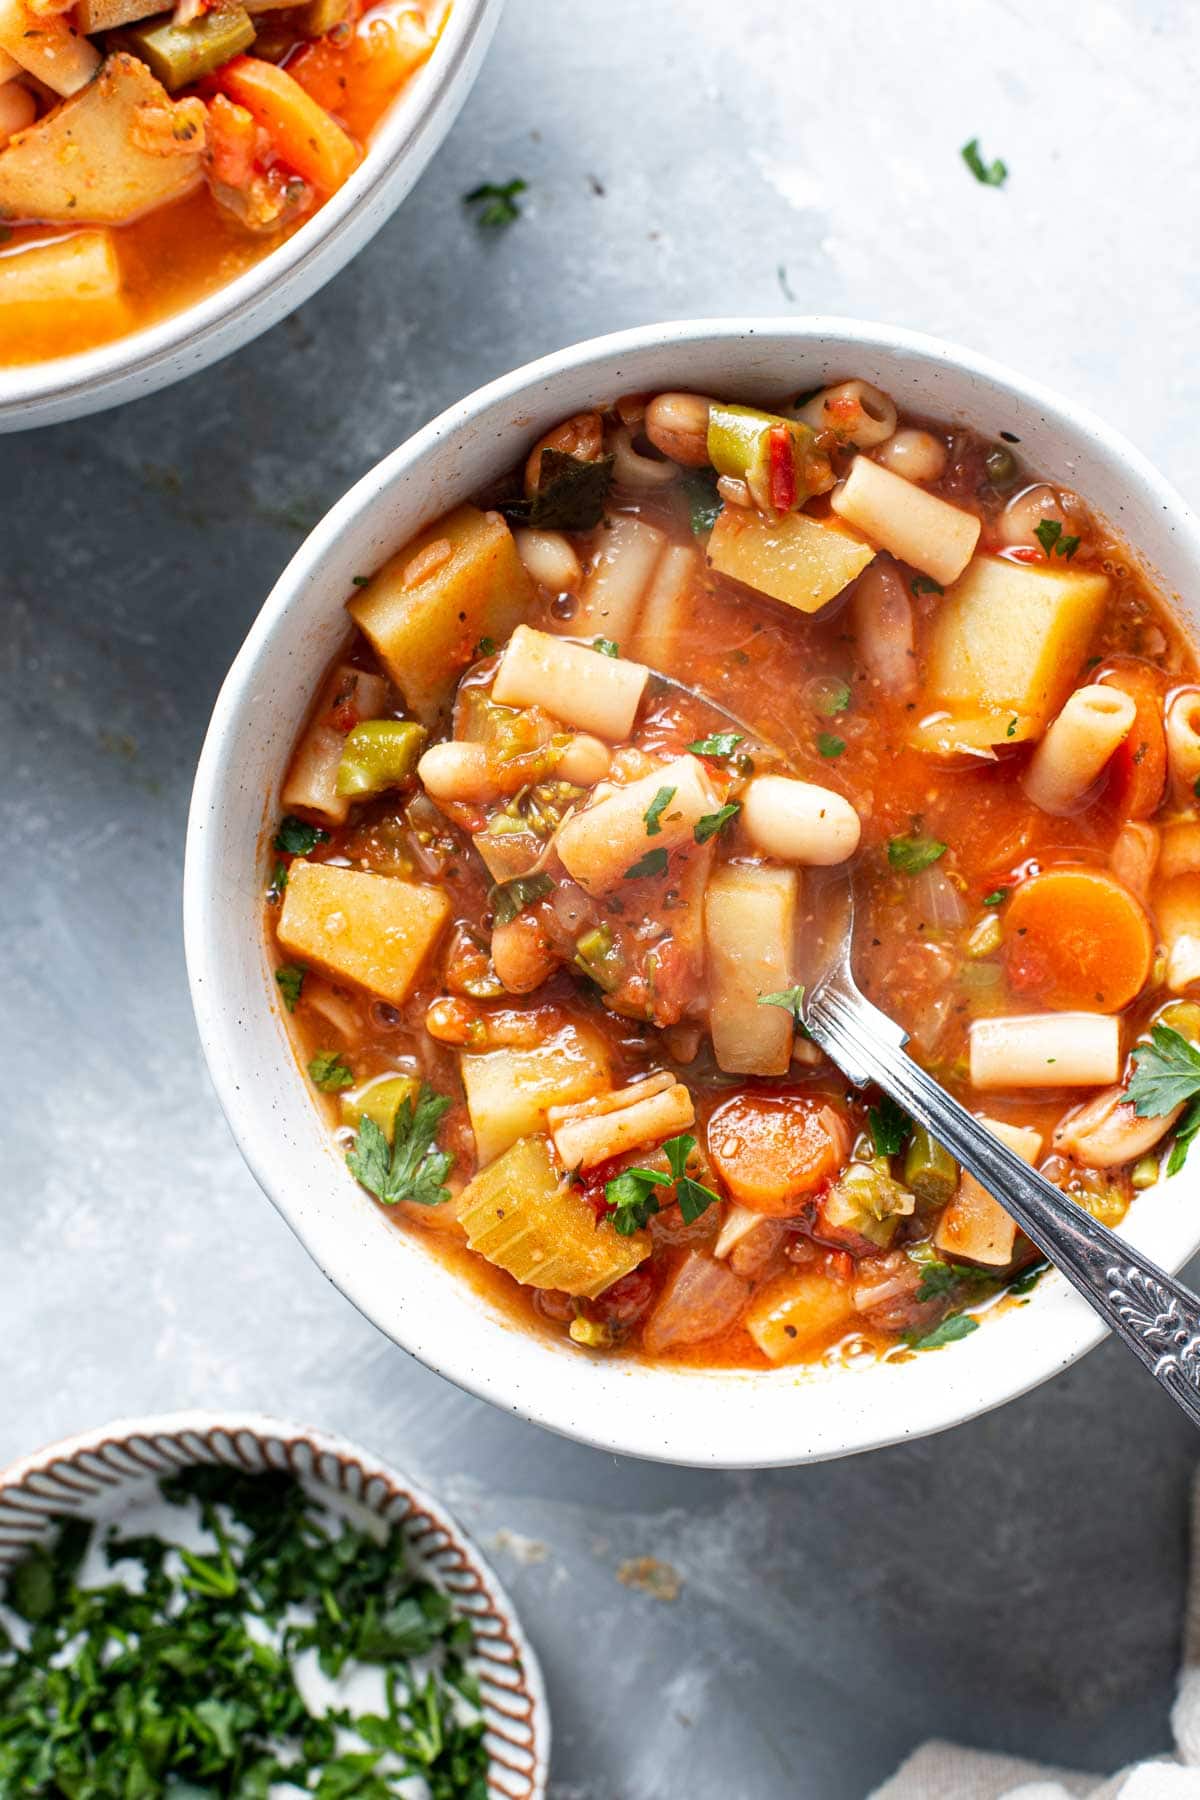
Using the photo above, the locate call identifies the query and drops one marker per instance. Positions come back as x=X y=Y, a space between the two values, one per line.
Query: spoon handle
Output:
x=1156 y=1316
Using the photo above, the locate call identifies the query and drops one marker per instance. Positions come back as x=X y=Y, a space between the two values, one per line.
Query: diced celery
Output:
x=866 y=1200
x=929 y=1169
x=740 y=440
x=181 y=54
x=380 y=1100
x=379 y=754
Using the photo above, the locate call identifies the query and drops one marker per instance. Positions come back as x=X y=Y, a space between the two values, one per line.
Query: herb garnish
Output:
x=653 y=863
x=329 y=1071
x=890 y=1125
x=570 y=496
x=704 y=503
x=958 y=1325
x=291 y=981
x=724 y=743
x=655 y=810
x=508 y=898
x=789 y=998
x=632 y=1193
x=997 y=897
x=993 y=174
x=912 y=854
x=296 y=838
x=606 y=647
x=409 y=1168
x=711 y=823
x=828 y=745
x=497 y=204
x=1049 y=534
x=925 y=584
x=834 y=698
x=277 y=883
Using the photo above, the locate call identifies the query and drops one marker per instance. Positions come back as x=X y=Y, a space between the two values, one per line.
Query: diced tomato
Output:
x=781 y=469
x=232 y=136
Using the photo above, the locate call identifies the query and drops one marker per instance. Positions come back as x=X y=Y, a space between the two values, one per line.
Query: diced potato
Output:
x=371 y=929
x=48 y=46
x=108 y=15
x=523 y=1216
x=82 y=164
x=972 y=734
x=975 y=1227
x=510 y=1090
x=427 y=633
x=1008 y=640
x=77 y=275
x=380 y=1100
x=794 y=1314
x=749 y=931
x=312 y=779
x=802 y=561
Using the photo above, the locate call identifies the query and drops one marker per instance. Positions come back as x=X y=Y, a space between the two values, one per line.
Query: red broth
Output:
x=544 y=964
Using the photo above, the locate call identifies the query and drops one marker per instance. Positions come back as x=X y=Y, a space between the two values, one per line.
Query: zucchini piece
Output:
x=524 y=1217
x=380 y=1100
x=379 y=755
x=929 y=1169
x=312 y=779
x=374 y=930
x=180 y=54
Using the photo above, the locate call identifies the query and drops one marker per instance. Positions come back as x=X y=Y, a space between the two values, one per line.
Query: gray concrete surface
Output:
x=1016 y=1582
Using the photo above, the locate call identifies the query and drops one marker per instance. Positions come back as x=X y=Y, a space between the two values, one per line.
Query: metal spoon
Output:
x=1154 y=1315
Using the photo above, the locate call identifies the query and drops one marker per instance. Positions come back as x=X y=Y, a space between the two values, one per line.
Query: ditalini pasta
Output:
x=546 y=894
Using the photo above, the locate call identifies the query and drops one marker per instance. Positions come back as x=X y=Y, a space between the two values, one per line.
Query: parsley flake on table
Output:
x=993 y=174
x=654 y=812
x=497 y=204
x=410 y=1167
x=912 y=854
x=708 y=826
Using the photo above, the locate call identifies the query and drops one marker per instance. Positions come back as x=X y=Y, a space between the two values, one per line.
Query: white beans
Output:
x=859 y=413
x=677 y=424
x=1023 y=514
x=456 y=771
x=592 y=1131
x=917 y=455
x=1064 y=1049
x=935 y=537
x=550 y=560
x=799 y=822
x=620 y=574
x=637 y=472
x=585 y=761
x=1183 y=743
x=580 y=686
x=521 y=953
x=598 y=845
x=749 y=940
x=1094 y=721
x=883 y=627
x=1107 y=1131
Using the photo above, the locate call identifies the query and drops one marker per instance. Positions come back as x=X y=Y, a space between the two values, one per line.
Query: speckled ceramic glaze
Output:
x=103 y=1473
x=723 y=1417
x=404 y=143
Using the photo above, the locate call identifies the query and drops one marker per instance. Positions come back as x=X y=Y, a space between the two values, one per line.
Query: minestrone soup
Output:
x=543 y=901
x=148 y=157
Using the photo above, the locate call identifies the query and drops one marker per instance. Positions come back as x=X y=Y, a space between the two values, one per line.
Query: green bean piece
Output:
x=929 y=1169
x=181 y=54
x=379 y=755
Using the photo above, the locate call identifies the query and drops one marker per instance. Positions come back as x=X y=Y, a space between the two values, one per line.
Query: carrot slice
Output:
x=771 y=1149
x=1077 y=938
x=1137 y=770
x=300 y=130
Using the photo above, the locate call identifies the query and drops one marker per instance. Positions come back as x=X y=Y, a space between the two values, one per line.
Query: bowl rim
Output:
x=36 y=1487
x=976 y=1384
x=396 y=155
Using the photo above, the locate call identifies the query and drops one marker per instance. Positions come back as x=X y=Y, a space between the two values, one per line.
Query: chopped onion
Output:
x=938 y=900
x=701 y=1299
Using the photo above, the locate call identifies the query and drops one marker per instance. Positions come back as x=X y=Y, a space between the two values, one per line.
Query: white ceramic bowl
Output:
x=403 y=144
x=102 y=1474
x=726 y=1418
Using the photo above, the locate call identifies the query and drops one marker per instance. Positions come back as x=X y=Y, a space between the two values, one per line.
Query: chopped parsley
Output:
x=925 y=584
x=297 y=838
x=605 y=646
x=890 y=1125
x=833 y=698
x=655 y=810
x=653 y=863
x=277 y=883
x=291 y=981
x=789 y=998
x=993 y=174
x=632 y=1192
x=997 y=897
x=912 y=854
x=724 y=743
x=508 y=898
x=497 y=204
x=1049 y=534
x=704 y=502
x=361 y=580
x=708 y=826
x=1166 y=1073
x=410 y=1168
x=329 y=1071
x=958 y=1325
x=828 y=745
x=485 y=647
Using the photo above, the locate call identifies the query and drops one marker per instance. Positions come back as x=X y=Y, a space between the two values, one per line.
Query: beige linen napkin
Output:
x=939 y=1771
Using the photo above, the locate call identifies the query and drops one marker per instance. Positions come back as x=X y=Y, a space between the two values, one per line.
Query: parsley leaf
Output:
x=925 y=584
x=1049 y=534
x=997 y=897
x=912 y=854
x=993 y=174
x=1066 y=546
x=958 y=1325
x=833 y=697
x=789 y=998
x=606 y=647
x=828 y=745
x=1166 y=1073
x=410 y=1168
x=653 y=863
x=724 y=743
x=497 y=204
x=890 y=1125
x=711 y=823
x=508 y=898
x=655 y=810
x=1185 y=1131
x=631 y=1191
x=277 y=883
x=704 y=502
x=291 y=982
x=296 y=838
x=330 y=1072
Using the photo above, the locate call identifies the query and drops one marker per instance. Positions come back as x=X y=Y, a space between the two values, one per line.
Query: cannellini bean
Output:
x=799 y=822
x=585 y=761
x=1078 y=743
x=581 y=436
x=916 y=526
x=1107 y=1131
x=677 y=424
x=593 y=1131
x=1183 y=743
x=456 y=771
x=917 y=455
x=550 y=560
x=521 y=953
x=859 y=413
x=883 y=627
x=637 y=472
x=1134 y=855
x=18 y=108
x=578 y=685
x=1064 y=1049
x=612 y=594
x=1020 y=519
x=598 y=844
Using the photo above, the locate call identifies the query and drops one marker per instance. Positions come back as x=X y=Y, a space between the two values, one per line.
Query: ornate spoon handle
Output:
x=1155 y=1315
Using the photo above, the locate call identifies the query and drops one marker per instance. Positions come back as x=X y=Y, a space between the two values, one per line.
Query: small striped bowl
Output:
x=101 y=1473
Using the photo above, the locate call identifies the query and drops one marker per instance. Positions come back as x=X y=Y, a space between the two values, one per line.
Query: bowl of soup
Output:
x=514 y=835
x=172 y=183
